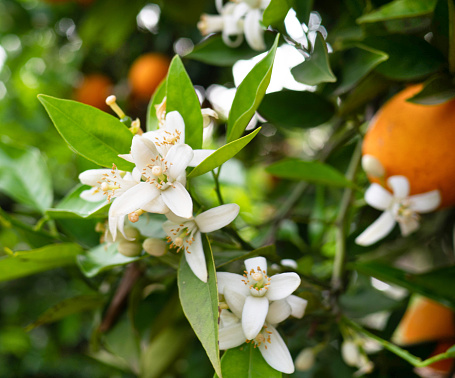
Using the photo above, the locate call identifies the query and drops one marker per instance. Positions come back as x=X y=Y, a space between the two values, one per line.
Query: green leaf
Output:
x=296 y=109
x=101 y=258
x=357 y=63
x=303 y=9
x=310 y=171
x=316 y=69
x=200 y=304
x=246 y=362
x=437 y=284
x=222 y=154
x=73 y=206
x=249 y=94
x=399 y=9
x=157 y=98
x=182 y=97
x=24 y=263
x=68 y=307
x=227 y=257
x=24 y=176
x=93 y=134
x=214 y=51
x=410 y=57
x=437 y=90
x=276 y=12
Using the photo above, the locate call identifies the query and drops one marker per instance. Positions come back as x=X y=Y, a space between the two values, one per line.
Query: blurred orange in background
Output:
x=93 y=90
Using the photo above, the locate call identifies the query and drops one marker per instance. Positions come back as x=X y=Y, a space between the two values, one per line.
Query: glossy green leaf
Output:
x=24 y=176
x=200 y=304
x=276 y=12
x=157 y=98
x=228 y=257
x=296 y=109
x=357 y=63
x=399 y=9
x=24 y=263
x=303 y=9
x=68 y=307
x=90 y=132
x=437 y=284
x=316 y=69
x=73 y=206
x=222 y=154
x=437 y=90
x=182 y=97
x=250 y=94
x=310 y=171
x=101 y=258
x=214 y=51
x=246 y=362
x=410 y=57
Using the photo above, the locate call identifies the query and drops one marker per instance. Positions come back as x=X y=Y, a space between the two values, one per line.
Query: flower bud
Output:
x=129 y=249
x=350 y=353
x=154 y=246
x=372 y=166
x=305 y=360
x=131 y=233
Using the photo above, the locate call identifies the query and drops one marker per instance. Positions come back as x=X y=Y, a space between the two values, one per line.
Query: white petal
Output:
x=380 y=228
x=399 y=185
x=253 y=315
x=175 y=123
x=378 y=197
x=178 y=200
x=217 y=218
x=140 y=153
x=93 y=195
x=179 y=156
x=277 y=353
x=196 y=259
x=235 y=301
x=232 y=281
x=408 y=226
x=256 y=262
x=121 y=227
x=174 y=218
x=278 y=311
x=254 y=33
x=282 y=285
x=127 y=157
x=113 y=221
x=136 y=175
x=199 y=156
x=133 y=199
x=156 y=206
x=231 y=336
x=298 y=306
x=92 y=176
x=425 y=202
x=227 y=318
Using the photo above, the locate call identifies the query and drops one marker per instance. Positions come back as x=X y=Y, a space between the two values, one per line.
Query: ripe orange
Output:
x=146 y=73
x=440 y=368
x=425 y=320
x=416 y=141
x=93 y=90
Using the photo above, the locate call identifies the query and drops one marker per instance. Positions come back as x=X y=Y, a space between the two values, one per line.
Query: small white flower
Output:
x=399 y=207
x=256 y=298
x=268 y=341
x=107 y=183
x=354 y=355
x=236 y=19
x=186 y=233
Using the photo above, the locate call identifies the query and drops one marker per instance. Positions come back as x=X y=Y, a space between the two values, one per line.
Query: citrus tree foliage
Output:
x=229 y=225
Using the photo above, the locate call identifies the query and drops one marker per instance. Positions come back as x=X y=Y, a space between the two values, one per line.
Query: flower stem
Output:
x=216 y=176
x=341 y=222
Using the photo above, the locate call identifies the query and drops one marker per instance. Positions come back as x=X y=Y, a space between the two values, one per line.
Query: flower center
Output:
x=157 y=173
x=182 y=236
x=258 y=281
x=403 y=213
x=263 y=337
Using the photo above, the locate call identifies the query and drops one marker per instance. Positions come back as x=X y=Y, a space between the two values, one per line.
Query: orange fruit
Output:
x=416 y=141
x=425 y=320
x=440 y=368
x=93 y=90
x=146 y=73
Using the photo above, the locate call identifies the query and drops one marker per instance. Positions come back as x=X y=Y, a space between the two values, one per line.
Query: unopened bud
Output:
x=305 y=360
x=129 y=249
x=131 y=233
x=372 y=166
x=154 y=246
